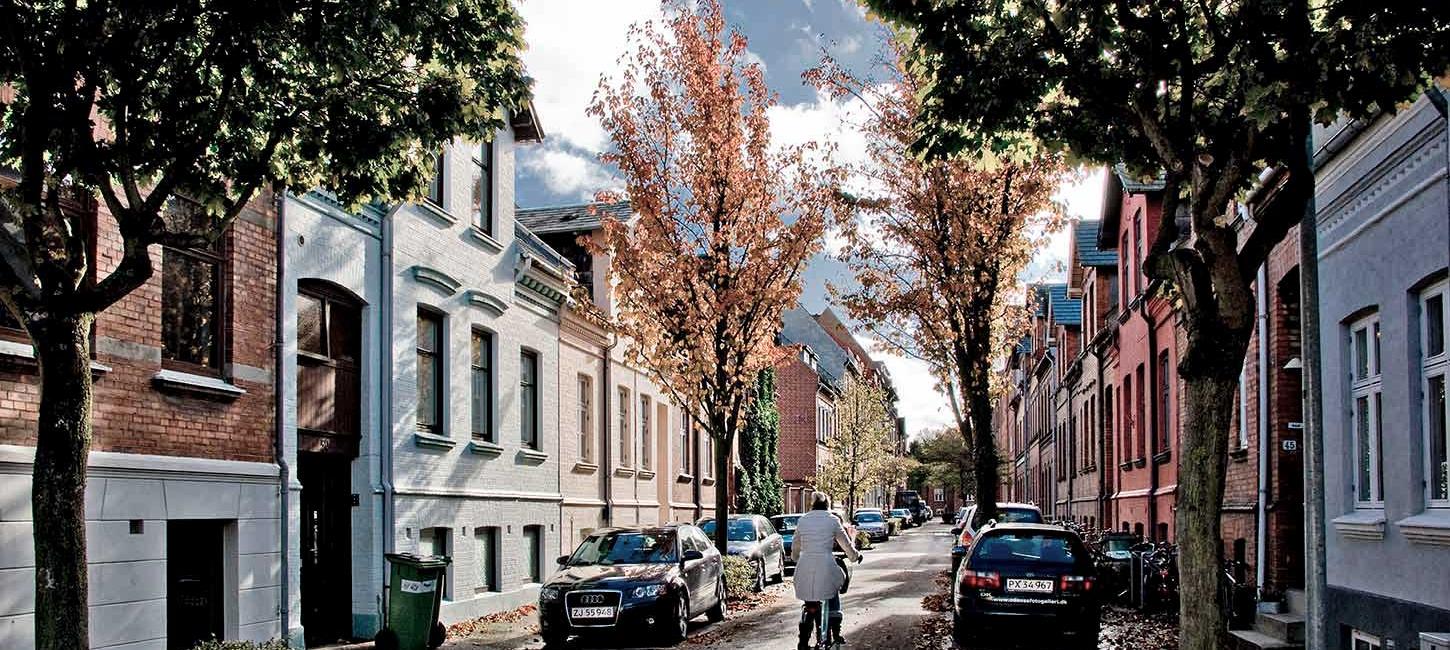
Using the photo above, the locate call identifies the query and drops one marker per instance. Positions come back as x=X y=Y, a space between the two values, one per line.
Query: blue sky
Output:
x=573 y=42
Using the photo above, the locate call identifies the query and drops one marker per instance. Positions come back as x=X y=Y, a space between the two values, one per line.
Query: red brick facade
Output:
x=796 y=388
x=135 y=415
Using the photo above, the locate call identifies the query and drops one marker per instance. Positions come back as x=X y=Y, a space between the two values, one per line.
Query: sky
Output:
x=573 y=42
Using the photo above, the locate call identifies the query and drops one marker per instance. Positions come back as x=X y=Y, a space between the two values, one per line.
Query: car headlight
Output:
x=648 y=591
x=548 y=594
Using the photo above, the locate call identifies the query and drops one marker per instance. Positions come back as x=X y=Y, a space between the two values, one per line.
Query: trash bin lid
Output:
x=420 y=561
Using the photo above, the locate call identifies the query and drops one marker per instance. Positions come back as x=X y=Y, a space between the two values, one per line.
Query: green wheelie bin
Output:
x=411 y=601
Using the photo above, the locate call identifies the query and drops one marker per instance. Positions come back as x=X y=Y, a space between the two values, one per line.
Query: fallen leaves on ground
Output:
x=932 y=632
x=1125 y=629
x=750 y=601
x=474 y=626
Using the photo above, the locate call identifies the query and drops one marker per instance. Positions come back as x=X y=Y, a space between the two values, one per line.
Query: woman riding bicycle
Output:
x=817 y=576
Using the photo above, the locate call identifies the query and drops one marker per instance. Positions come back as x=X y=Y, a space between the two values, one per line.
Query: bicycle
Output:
x=822 y=608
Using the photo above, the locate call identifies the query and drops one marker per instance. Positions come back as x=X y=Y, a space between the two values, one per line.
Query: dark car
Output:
x=908 y=520
x=873 y=523
x=976 y=518
x=785 y=526
x=1021 y=577
x=1115 y=560
x=634 y=579
x=753 y=538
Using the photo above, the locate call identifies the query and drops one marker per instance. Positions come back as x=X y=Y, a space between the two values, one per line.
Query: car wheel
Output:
x=965 y=637
x=717 y=613
x=681 y=625
x=437 y=635
x=759 y=585
x=555 y=639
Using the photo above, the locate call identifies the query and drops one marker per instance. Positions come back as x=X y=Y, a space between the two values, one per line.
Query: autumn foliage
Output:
x=725 y=220
x=937 y=245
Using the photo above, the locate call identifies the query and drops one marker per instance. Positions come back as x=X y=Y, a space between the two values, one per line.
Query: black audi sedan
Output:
x=634 y=579
x=1020 y=577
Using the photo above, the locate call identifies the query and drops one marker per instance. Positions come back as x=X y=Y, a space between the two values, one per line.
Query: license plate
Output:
x=1030 y=586
x=591 y=612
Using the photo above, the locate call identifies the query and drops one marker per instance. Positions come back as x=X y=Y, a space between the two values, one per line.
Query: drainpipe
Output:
x=1102 y=436
x=285 y=478
x=1151 y=431
x=607 y=453
x=385 y=393
x=1261 y=542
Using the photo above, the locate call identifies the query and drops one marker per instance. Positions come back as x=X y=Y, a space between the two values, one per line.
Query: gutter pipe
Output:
x=1261 y=535
x=285 y=471
x=1153 y=418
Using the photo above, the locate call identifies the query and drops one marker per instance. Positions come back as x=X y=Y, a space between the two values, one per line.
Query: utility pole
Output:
x=1315 y=578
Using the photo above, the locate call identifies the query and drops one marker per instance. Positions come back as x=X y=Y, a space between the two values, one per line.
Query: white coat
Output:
x=816 y=575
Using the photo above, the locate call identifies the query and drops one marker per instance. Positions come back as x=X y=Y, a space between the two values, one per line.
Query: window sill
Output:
x=484 y=447
x=1239 y=455
x=202 y=385
x=644 y=474
x=623 y=472
x=1368 y=525
x=533 y=456
x=22 y=355
x=684 y=478
x=433 y=441
x=1162 y=457
x=706 y=480
x=437 y=212
x=484 y=239
x=585 y=467
x=1431 y=527
x=1140 y=462
x=1126 y=465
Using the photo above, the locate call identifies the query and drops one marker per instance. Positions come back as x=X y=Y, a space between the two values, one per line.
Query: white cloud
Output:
x=571 y=44
x=919 y=400
x=1082 y=198
x=565 y=172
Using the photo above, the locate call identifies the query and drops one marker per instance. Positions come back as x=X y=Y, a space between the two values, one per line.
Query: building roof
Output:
x=1088 y=251
x=799 y=327
x=571 y=218
x=535 y=246
x=1065 y=310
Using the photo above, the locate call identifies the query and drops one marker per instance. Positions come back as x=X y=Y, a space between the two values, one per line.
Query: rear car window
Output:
x=1008 y=516
x=1027 y=548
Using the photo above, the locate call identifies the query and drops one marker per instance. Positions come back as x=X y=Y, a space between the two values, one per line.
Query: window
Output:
x=1127 y=269
x=1141 y=415
x=1164 y=379
x=1241 y=435
x=482 y=184
x=1435 y=365
x=486 y=559
x=708 y=459
x=1138 y=252
x=329 y=385
x=435 y=186
x=1365 y=395
x=529 y=398
x=685 y=426
x=1127 y=413
x=586 y=418
x=435 y=541
x=626 y=443
x=1361 y=641
x=191 y=300
x=1108 y=422
x=430 y=371
x=645 y=431
x=481 y=362
x=534 y=552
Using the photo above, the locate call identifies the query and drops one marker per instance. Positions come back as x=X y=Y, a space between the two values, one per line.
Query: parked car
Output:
x=972 y=522
x=907 y=520
x=1115 y=561
x=873 y=523
x=955 y=518
x=1023 y=577
x=637 y=579
x=753 y=538
x=786 y=525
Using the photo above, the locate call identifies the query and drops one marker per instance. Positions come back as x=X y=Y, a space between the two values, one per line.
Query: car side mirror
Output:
x=563 y=559
x=957 y=531
x=692 y=555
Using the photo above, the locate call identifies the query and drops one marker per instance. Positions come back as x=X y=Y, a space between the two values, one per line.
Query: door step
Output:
x=1287 y=627
x=1252 y=640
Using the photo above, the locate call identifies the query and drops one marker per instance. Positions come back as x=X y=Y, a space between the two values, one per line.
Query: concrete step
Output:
x=1287 y=627
x=1297 y=601
x=1251 y=640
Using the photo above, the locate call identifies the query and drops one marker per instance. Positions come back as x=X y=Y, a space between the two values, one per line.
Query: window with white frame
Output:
x=1434 y=364
x=686 y=426
x=707 y=460
x=586 y=418
x=1363 y=641
x=485 y=558
x=645 y=430
x=626 y=441
x=1365 y=400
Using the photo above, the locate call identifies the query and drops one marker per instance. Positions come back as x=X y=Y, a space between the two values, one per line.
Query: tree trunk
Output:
x=722 y=490
x=979 y=399
x=1201 y=460
x=58 y=485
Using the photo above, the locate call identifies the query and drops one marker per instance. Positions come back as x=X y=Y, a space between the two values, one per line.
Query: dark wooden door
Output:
x=326 y=547
x=194 y=599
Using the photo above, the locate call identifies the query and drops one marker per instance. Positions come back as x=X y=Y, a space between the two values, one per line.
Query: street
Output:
x=885 y=609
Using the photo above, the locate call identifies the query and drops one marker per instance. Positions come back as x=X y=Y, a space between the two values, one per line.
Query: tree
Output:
x=725 y=221
x=138 y=103
x=1205 y=94
x=946 y=460
x=936 y=247
x=760 y=484
x=863 y=444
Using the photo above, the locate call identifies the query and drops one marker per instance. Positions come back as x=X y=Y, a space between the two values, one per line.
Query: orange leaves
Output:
x=724 y=220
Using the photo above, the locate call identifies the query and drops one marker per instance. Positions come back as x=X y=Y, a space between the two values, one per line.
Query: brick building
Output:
x=1092 y=283
x=181 y=504
x=807 y=384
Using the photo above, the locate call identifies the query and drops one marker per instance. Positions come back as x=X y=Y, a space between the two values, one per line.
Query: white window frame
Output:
x=586 y=417
x=646 y=431
x=1369 y=388
x=1241 y=441
x=1371 y=641
x=625 y=424
x=1432 y=367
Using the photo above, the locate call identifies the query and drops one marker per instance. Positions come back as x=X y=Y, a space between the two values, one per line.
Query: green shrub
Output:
x=739 y=577
x=274 y=644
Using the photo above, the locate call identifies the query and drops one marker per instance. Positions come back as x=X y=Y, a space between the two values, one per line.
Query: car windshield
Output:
x=1118 y=545
x=785 y=524
x=1025 y=548
x=1010 y=516
x=869 y=518
x=626 y=548
x=740 y=530
x=898 y=513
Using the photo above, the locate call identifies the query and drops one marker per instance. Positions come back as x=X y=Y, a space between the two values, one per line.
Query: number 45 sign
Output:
x=1290 y=445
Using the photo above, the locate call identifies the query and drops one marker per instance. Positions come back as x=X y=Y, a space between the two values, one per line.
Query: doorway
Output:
x=195 y=604
x=326 y=547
